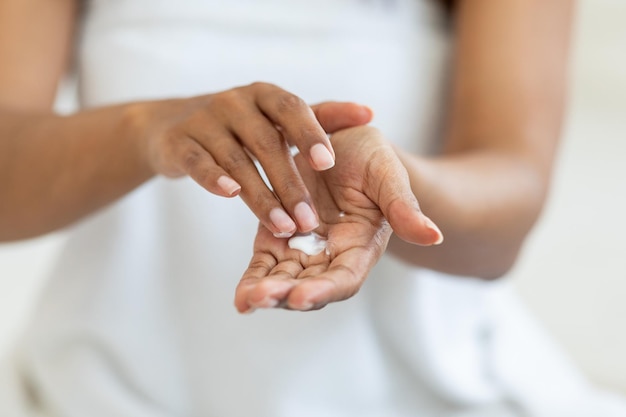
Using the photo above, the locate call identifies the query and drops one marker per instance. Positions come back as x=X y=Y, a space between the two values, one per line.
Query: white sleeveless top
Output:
x=138 y=317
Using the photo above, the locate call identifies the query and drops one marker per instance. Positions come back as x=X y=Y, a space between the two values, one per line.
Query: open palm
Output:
x=358 y=201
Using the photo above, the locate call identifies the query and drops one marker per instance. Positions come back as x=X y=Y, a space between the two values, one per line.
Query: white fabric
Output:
x=137 y=319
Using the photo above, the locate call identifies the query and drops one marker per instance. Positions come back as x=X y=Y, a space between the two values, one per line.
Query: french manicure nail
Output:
x=321 y=156
x=281 y=220
x=228 y=185
x=305 y=216
x=432 y=226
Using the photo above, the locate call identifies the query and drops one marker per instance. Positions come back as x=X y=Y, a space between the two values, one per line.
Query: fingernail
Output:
x=321 y=157
x=306 y=306
x=432 y=226
x=228 y=185
x=367 y=112
x=305 y=216
x=249 y=311
x=281 y=220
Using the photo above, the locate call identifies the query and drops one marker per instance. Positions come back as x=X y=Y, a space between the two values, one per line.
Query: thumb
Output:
x=410 y=224
x=392 y=188
x=334 y=115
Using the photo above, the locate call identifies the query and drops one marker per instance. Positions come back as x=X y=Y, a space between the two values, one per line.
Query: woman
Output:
x=137 y=317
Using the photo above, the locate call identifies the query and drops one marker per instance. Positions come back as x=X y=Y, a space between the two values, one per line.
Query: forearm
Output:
x=55 y=170
x=485 y=203
x=487 y=188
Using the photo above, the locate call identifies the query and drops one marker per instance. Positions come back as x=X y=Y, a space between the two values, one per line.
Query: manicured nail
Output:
x=305 y=217
x=249 y=311
x=432 y=226
x=228 y=185
x=321 y=156
x=281 y=220
x=367 y=112
x=306 y=306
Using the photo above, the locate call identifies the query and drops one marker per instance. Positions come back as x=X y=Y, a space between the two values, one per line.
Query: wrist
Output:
x=136 y=121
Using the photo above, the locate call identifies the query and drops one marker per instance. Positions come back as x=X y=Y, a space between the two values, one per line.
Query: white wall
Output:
x=573 y=271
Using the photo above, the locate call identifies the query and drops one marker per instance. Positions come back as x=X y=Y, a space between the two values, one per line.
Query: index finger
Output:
x=298 y=124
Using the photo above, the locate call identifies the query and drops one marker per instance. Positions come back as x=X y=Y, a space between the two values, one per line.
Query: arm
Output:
x=55 y=170
x=35 y=48
x=487 y=188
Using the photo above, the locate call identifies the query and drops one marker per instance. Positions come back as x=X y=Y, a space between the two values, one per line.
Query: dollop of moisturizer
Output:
x=309 y=243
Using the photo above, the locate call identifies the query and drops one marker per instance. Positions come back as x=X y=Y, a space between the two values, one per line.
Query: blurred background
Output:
x=572 y=273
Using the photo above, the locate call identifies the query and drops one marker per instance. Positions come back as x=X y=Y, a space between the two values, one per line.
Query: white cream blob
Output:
x=309 y=243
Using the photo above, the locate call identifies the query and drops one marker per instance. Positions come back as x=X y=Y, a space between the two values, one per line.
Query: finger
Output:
x=391 y=187
x=298 y=124
x=261 y=288
x=268 y=292
x=259 y=266
x=257 y=290
x=412 y=225
x=236 y=163
x=334 y=116
x=351 y=262
x=267 y=282
x=272 y=151
x=342 y=280
x=196 y=162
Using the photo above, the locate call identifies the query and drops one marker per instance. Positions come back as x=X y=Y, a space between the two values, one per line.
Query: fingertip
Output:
x=229 y=186
x=434 y=230
x=306 y=217
x=282 y=222
x=242 y=306
x=413 y=226
x=321 y=157
x=311 y=295
x=334 y=116
x=366 y=113
x=248 y=310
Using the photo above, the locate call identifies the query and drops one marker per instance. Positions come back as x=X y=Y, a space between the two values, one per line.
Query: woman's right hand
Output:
x=214 y=138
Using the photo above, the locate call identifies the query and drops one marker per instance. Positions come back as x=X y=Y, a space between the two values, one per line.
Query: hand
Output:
x=359 y=201
x=214 y=139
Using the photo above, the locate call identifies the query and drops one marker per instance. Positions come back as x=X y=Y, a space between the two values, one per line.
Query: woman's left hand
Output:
x=359 y=201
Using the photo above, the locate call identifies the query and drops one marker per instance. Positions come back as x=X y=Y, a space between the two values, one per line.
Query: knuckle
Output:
x=308 y=133
x=262 y=262
x=203 y=177
x=270 y=143
x=287 y=102
x=260 y=200
x=171 y=142
x=168 y=142
x=259 y=85
x=289 y=187
x=235 y=161
x=191 y=160
x=227 y=98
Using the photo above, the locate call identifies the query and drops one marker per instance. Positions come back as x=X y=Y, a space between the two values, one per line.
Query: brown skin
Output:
x=360 y=201
x=55 y=170
x=485 y=190
x=487 y=187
